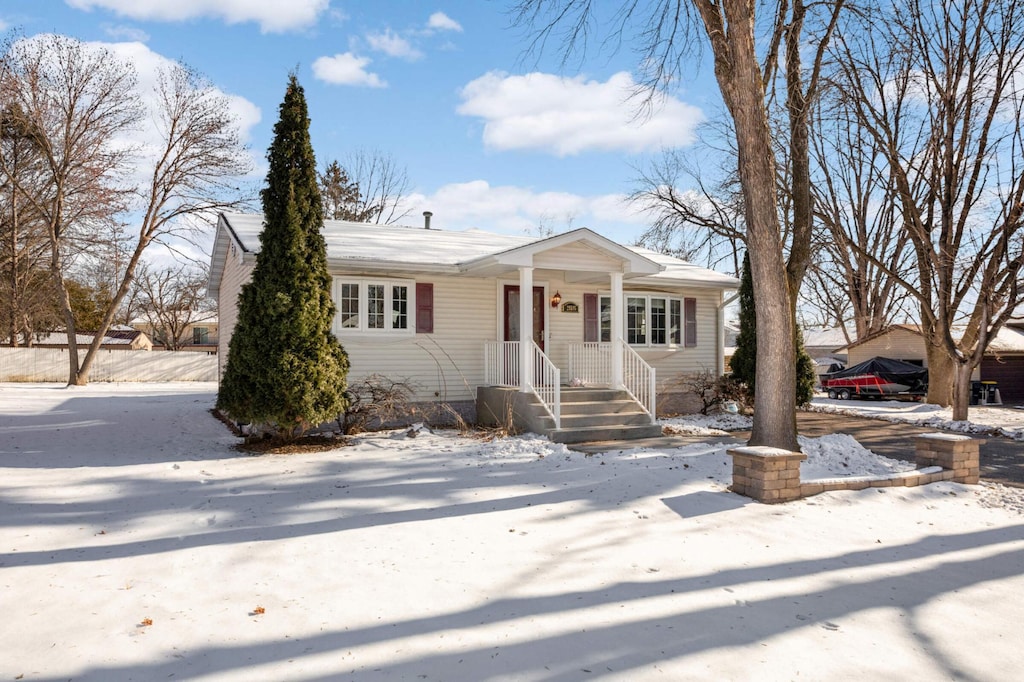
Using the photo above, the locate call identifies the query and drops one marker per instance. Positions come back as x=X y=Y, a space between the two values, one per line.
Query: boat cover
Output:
x=894 y=371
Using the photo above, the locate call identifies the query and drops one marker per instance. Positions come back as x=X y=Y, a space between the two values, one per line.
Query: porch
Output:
x=609 y=392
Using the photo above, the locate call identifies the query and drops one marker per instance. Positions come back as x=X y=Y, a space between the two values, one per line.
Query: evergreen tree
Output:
x=342 y=197
x=286 y=371
x=744 y=359
x=806 y=377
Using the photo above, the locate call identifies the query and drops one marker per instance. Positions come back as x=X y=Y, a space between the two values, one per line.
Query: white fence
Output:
x=51 y=364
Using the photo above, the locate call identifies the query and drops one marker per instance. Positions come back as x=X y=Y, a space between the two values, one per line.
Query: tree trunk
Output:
x=739 y=76
x=961 y=390
x=940 y=370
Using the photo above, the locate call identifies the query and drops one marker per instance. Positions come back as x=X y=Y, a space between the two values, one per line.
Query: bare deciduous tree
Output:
x=938 y=85
x=80 y=104
x=29 y=305
x=72 y=103
x=171 y=300
x=383 y=185
x=855 y=202
x=666 y=33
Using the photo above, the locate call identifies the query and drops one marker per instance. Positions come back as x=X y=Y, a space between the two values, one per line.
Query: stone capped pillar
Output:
x=961 y=454
x=770 y=475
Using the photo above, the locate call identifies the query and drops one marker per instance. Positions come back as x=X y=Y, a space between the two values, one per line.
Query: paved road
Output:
x=1002 y=459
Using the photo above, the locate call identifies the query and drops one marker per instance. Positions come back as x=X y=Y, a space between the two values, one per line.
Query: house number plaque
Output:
x=568 y=307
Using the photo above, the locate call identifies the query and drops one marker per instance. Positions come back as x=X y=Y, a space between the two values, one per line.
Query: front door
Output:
x=512 y=314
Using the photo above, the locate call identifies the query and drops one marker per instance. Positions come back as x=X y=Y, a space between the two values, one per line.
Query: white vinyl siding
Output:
x=445 y=365
x=236 y=273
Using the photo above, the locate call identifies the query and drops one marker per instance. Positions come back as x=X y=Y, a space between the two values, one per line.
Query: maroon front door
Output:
x=512 y=314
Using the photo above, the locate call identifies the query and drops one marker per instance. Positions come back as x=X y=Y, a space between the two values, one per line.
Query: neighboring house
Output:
x=826 y=343
x=201 y=335
x=1003 y=361
x=442 y=310
x=114 y=339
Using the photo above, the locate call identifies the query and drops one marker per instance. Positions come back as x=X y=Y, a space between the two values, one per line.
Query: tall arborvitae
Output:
x=744 y=359
x=286 y=370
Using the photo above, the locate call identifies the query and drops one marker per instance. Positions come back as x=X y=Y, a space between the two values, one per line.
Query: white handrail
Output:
x=547 y=384
x=638 y=379
x=501 y=368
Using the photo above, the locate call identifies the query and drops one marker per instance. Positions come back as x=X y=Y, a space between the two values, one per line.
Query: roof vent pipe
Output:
x=426 y=219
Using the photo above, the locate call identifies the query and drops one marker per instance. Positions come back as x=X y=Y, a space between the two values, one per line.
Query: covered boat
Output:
x=876 y=377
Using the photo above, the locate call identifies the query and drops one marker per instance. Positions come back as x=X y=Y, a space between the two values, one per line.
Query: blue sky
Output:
x=490 y=138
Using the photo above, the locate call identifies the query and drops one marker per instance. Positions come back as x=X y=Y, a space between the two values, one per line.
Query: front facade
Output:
x=443 y=310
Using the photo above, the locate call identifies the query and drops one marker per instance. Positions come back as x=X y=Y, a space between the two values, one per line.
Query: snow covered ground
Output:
x=136 y=543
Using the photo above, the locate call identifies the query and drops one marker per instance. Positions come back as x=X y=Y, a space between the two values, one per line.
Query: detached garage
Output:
x=1003 y=363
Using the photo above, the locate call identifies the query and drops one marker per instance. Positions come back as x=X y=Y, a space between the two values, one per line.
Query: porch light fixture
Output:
x=556 y=299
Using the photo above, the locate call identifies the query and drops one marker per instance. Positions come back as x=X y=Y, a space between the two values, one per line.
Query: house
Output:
x=826 y=343
x=116 y=338
x=1003 y=361
x=200 y=335
x=443 y=310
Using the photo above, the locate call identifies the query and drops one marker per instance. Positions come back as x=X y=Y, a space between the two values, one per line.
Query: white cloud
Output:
x=442 y=22
x=346 y=69
x=4 y=25
x=121 y=32
x=393 y=45
x=569 y=115
x=517 y=210
x=273 y=16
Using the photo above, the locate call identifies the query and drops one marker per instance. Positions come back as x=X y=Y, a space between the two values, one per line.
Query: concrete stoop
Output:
x=588 y=414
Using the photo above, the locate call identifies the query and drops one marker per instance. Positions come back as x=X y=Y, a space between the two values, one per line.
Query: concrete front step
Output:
x=635 y=417
x=601 y=433
x=599 y=406
x=574 y=395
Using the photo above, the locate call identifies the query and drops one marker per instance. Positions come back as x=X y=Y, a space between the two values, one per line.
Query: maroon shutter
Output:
x=690 y=321
x=424 y=308
x=591 y=329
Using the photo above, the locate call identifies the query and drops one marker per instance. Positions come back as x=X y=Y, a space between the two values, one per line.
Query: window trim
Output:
x=674 y=340
x=363 y=314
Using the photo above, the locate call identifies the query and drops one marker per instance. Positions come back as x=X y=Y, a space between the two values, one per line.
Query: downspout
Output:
x=720 y=351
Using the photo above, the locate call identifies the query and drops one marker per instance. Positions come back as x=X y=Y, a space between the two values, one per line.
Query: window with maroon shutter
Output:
x=424 y=308
x=690 y=321
x=590 y=318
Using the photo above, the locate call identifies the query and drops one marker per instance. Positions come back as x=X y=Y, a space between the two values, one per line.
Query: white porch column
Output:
x=617 y=330
x=525 y=327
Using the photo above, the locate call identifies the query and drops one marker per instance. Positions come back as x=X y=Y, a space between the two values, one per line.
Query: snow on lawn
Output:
x=1006 y=421
x=136 y=543
x=715 y=424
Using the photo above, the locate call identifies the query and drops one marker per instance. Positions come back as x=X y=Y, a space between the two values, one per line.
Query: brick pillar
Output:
x=961 y=454
x=768 y=475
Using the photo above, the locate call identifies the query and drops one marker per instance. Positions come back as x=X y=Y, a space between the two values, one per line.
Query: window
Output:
x=652 y=320
x=372 y=306
x=399 y=306
x=636 y=320
x=200 y=335
x=348 y=306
